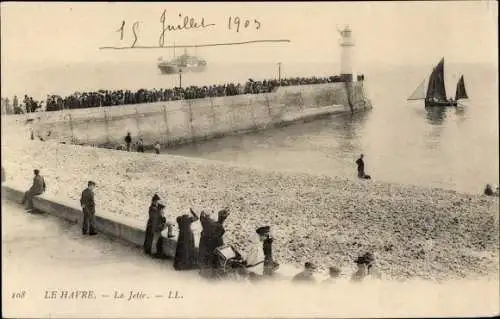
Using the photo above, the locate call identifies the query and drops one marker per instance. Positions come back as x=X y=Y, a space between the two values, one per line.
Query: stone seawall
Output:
x=176 y=122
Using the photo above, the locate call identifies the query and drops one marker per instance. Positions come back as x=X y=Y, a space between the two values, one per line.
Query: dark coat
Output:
x=185 y=253
x=87 y=200
x=38 y=186
x=211 y=238
x=361 y=166
x=156 y=223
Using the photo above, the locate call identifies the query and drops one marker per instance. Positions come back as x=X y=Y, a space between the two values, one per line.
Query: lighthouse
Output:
x=346 y=54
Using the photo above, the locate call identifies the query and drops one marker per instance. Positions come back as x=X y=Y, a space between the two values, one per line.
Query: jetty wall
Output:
x=177 y=122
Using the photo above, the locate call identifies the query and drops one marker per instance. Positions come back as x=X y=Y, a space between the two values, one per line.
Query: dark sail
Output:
x=461 y=93
x=436 y=88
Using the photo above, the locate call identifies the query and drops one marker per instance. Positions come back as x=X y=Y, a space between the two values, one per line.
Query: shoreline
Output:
x=329 y=219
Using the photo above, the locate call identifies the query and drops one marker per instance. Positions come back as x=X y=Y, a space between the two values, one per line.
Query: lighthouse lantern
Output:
x=346 y=54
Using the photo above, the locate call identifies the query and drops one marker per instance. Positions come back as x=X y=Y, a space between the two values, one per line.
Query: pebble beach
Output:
x=415 y=232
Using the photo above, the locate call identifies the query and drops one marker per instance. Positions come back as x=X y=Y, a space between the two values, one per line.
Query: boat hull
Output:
x=172 y=69
x=440 y=103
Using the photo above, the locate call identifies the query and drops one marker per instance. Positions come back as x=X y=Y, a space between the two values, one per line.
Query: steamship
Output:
x=183 y=63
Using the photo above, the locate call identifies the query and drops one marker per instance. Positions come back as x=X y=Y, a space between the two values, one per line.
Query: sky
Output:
x=385 y=33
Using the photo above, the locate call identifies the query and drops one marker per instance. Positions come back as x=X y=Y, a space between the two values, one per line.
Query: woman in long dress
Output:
x=185 y=253
x=153 y=241
x=211 y=238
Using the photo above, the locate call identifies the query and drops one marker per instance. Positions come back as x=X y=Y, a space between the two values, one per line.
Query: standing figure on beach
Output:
x=211 y=238
x=37 y=188
x=140 y=146
x=88 y=207
x=185 y=252
x=3 y=175
x=361 y=168
x=157 y=148
x=270 y=265
x=153 y=241
x=488 y=191
x=256 y=257
x=128 y=141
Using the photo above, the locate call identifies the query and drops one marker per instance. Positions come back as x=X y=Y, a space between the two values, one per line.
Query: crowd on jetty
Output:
x=100 y=98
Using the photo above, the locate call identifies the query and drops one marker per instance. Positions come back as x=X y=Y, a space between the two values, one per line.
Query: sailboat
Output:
x=434 y=93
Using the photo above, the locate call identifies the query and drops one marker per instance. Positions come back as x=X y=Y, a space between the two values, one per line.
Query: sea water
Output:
x=455 y=148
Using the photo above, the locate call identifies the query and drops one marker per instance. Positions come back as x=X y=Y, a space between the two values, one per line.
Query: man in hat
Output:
x=128 y=141
x=307 y=275
x=140 y=146
x=157 y=147
x=152 y=212
x=270 y=266
x=256 y=257
x=37 y=188
x=88 y=207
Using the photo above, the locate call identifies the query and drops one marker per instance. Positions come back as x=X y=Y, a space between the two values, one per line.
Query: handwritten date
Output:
x=187 y=23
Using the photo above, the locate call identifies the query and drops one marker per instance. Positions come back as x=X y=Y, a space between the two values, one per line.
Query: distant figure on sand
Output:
x=140 y=146
x=37 y=188
x=361 y=168
x=3 y=175
x=307 y=275
x=488 y=191
x=185 y=253
x=128 y=141
x=157 y=148
x=88 y=207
